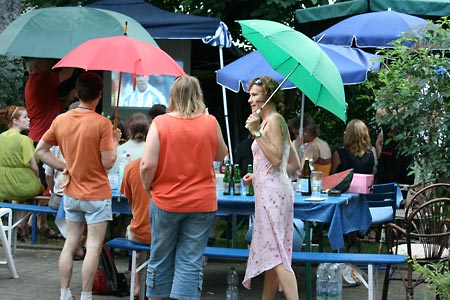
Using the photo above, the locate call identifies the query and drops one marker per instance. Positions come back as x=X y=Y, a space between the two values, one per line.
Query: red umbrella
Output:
x=121 y=54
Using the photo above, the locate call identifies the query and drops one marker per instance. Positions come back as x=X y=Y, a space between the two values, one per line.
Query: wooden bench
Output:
x=371 y=260
x=31 y=209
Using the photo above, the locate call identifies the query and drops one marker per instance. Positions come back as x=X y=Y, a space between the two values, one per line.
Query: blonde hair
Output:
x=186 y=97
x=356 y=137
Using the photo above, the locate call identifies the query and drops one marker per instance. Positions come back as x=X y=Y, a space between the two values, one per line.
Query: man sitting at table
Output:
x=139 y=228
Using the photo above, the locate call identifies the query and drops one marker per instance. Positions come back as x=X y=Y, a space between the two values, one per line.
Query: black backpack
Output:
x=108 y=281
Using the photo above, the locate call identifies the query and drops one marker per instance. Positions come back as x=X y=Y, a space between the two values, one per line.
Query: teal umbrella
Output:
x=301 y=60
x=53 y=32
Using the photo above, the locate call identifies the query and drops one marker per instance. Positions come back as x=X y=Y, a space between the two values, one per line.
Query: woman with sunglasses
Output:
x=274 y=157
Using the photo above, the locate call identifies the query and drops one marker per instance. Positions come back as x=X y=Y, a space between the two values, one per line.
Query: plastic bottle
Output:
x=322 y=281
x=232 y=285
x=236 y=180
x=335 y=282
x=250 y=190
x=124 y=160
x=227 y=180
x=305 y=179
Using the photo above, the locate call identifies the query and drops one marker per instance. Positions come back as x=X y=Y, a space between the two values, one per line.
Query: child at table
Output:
x=139 y=228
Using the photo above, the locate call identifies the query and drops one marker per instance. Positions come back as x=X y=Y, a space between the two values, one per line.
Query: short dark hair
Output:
x=156 y=110
x=89 y=86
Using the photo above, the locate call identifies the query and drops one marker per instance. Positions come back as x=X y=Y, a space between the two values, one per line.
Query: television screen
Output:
x=140 y=91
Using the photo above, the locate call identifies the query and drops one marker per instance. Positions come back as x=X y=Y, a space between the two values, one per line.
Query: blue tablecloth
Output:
x=345 y=214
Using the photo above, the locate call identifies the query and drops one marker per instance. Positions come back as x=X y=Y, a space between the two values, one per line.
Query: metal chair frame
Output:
x=6 y=241
x=426 y=227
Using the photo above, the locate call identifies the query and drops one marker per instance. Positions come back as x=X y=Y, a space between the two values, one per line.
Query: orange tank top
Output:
x=185 y=180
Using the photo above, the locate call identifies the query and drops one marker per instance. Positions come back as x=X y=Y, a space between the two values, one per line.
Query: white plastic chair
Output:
x=6 y=241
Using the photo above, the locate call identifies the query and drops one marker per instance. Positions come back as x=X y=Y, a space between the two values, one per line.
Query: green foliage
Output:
x=437 y=276
x=11 y=83
x=415 y=92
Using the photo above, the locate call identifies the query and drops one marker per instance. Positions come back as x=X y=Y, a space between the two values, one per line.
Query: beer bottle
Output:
x=250 y=191
x=305 y=179
x=236 y=180
x=227 y=180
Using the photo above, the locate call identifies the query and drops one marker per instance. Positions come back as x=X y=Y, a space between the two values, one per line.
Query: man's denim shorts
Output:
x=89 y=211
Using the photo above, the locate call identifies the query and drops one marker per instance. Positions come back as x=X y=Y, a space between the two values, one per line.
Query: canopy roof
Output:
x=431 y=8
x=162 y=24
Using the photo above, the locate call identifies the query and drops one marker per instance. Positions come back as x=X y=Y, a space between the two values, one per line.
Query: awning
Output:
x=414 y=7
x=424 y=8
x=337 y=10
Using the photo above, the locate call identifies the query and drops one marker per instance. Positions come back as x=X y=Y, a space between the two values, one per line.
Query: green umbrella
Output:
x=53 y=32
x=300 y=59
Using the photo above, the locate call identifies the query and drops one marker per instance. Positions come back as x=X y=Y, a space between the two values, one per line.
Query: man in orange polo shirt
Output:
x=89 y=145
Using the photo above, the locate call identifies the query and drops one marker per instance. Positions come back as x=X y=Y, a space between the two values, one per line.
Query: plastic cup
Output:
x=219 y=182
x=316 y=183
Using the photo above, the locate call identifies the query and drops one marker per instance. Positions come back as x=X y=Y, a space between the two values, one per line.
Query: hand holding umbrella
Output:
x=258 y=112
x=253 y=122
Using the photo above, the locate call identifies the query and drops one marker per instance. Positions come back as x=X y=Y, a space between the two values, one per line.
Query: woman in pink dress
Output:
x=274 y=157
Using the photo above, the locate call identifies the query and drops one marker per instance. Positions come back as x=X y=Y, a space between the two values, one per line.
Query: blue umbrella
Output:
x=375 y=29
x=353 y=65
x=244 y=69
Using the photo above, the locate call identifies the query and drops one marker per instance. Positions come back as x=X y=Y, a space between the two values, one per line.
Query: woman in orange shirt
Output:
x=177 y=170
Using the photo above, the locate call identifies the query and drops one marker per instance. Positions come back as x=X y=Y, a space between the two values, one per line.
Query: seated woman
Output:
x=356 y=152
x=310 y=145
x=137 y=128
x=19 y=174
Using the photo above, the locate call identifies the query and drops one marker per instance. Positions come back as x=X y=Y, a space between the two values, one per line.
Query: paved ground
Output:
x=37 y=268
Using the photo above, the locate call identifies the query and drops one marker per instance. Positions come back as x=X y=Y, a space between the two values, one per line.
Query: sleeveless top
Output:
x=361 y=165
x=185 y=180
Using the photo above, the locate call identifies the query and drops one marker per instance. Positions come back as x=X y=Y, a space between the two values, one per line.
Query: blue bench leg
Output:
x=33 y=227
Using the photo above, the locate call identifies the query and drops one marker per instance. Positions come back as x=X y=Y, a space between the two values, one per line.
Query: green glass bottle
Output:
x=236 y=180
x=250 y=190
x=227 y=180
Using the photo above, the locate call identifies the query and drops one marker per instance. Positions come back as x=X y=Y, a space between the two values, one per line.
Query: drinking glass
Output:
x=316 y=183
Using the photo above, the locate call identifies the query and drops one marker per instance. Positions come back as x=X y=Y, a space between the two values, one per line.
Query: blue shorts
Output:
x=89 y=211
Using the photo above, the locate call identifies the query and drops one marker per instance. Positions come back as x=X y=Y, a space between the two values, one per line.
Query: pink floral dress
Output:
x=274 y=212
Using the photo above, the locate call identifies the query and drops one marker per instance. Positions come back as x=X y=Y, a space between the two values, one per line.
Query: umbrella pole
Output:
x=278 y=87
x=116 y=115
x=225 y=111
x=302 y=114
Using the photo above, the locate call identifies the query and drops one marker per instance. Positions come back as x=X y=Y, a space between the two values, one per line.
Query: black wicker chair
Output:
x=423 y=235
